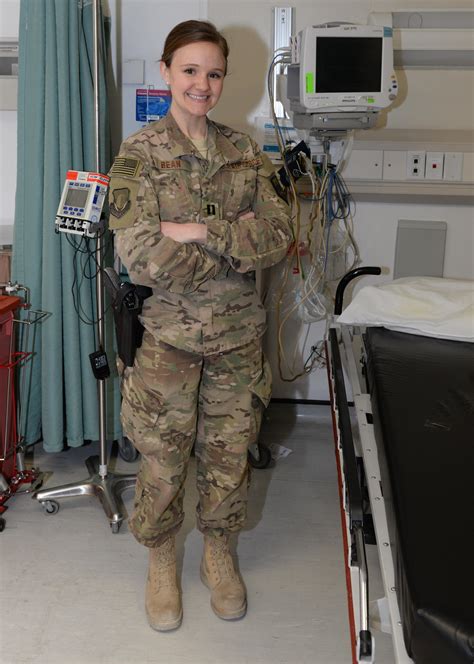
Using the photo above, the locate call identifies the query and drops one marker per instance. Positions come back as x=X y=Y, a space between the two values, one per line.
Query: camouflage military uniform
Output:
x=200 y=367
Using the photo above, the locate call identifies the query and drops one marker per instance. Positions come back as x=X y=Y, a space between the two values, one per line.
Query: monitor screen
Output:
x=348 y=64
x=76 y=197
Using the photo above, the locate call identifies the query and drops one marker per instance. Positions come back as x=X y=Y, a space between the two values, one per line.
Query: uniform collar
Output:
x=179 y=145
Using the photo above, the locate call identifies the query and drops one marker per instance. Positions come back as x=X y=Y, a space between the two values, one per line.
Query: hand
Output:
x=247 y=215
x=184 y=233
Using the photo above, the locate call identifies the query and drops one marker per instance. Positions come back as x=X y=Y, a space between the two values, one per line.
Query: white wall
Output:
x=9 y=25
x=427 y=99
x=138 y=33
x=9 y=18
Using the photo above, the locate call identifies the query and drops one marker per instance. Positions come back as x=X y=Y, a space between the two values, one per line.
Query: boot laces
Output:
x=223 y=560
x=164 y=576
x=163 y=571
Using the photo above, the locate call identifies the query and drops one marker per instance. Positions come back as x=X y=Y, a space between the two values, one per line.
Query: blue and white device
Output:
x=81 y=203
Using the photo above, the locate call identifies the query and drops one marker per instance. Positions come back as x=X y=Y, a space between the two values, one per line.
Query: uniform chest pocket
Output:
x=238 y=187
x=177 y=190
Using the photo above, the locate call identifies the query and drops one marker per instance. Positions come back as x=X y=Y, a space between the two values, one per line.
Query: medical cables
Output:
x=320 y=256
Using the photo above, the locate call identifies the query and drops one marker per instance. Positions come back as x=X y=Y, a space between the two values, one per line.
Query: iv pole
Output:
x=102 y=483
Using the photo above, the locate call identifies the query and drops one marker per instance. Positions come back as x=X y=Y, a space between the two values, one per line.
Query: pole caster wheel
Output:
x=126 y=450
x=115 y=527
x=259 y=456
x=3 y=523
x=50 y=507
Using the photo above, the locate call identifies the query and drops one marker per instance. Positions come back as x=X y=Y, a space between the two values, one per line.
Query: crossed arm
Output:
x=186 y=233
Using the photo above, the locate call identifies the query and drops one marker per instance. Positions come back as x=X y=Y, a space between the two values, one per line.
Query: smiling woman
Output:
x=196 y=78
x=194 y=215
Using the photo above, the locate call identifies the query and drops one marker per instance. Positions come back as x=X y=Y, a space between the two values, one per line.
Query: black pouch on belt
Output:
x=127 y=302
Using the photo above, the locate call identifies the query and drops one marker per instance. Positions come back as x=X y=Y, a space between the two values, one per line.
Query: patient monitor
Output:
x=341 y=76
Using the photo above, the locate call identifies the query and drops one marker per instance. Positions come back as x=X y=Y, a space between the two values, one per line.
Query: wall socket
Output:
x=453 y=166
x=416 y=165
x=434 y=165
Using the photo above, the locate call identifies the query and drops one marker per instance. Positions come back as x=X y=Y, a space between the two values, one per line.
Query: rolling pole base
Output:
x=107 y=489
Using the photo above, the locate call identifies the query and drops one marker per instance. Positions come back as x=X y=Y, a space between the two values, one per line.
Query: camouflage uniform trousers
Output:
x=172 y=399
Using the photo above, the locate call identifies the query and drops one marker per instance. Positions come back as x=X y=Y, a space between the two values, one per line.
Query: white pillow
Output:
x=427 y=306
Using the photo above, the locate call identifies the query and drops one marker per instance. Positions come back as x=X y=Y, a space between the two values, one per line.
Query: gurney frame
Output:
x=358 y=472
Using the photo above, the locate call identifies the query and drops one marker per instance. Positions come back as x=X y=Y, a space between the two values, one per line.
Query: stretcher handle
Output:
x=352 y=274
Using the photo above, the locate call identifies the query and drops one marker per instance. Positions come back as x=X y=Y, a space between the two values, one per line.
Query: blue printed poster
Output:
x=151 y=104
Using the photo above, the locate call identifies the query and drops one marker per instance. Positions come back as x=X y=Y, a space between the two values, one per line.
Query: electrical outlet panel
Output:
x=394 y=165
x=453 y=164
x=416 y=165
x=407 y=166
x=364 y=165
x=434 y=165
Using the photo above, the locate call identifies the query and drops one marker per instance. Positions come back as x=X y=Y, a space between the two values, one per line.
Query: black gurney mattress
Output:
x=422 y=392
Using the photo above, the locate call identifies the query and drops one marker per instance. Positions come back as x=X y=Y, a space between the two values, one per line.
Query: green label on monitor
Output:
x=370 y=100
x=309 y=82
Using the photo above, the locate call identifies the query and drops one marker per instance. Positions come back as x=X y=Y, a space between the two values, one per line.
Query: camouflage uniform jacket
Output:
x=204 y=298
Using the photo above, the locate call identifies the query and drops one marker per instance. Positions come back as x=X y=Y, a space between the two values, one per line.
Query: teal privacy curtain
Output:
x=55 y=134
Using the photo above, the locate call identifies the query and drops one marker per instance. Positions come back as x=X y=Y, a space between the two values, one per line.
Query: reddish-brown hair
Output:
x=190 y=32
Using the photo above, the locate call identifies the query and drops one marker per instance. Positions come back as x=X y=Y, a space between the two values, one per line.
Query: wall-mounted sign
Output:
x=151 y=104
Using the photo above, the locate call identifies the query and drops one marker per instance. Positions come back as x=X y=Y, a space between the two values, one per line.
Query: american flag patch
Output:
x=125 y=166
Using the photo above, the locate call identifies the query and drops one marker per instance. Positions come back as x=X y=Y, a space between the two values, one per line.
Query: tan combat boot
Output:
x=228 y=597
x=162 y=597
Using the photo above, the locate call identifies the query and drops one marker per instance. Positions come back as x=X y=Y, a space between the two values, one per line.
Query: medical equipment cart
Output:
x=15 y=363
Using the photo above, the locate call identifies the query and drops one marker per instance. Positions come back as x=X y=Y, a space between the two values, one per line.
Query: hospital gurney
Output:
x=406 y=461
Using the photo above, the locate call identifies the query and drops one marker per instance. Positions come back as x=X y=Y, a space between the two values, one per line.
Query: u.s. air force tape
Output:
x=125 y=166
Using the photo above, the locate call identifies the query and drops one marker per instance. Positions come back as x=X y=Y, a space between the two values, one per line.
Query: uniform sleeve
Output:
x=261 y=242
x=150 y=258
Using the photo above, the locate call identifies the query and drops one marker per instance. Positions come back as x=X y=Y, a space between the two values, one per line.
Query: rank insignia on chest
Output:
x=211 y=209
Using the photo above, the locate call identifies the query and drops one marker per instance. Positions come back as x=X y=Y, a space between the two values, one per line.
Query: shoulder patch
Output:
x=120 y=201
x=125 y=167
x=123 y=194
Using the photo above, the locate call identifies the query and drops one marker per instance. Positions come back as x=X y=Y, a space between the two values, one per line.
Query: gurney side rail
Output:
x=352 y=499
x=350 y=345
x=347 y=442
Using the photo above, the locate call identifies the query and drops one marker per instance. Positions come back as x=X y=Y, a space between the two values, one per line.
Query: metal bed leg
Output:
x=364 y=645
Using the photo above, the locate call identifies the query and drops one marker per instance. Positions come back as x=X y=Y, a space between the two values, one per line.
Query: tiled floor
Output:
x=72 y=592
